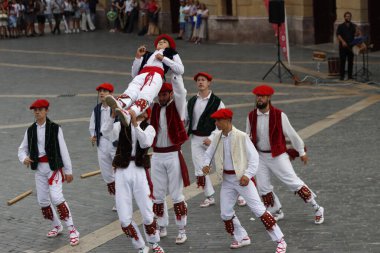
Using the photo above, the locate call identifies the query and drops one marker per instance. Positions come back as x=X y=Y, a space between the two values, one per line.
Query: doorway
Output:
x=324 y=12
x=174 y=10
x=374 y=23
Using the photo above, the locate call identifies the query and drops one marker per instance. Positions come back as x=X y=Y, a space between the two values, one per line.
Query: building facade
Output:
x=309 y=21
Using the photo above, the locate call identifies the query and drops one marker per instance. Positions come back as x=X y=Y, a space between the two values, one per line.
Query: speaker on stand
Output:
x=277 y=16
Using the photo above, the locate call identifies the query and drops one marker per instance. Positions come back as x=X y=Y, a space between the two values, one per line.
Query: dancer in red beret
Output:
x=132 y=180
x=169 y=170
x=236 y=162
x=44 y=150
x=148 y=72
x=106 y=148
x=201 y=129
x=268 y=127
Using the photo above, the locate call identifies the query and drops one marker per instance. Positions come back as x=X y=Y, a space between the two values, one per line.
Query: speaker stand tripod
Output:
x=279 y=63
x=363 y=73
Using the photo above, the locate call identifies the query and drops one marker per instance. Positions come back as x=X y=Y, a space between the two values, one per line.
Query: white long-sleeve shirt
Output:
x=105 y=115
x=145 y=137
x=252 y=155
x=199 y=107
x=263 y=142
x=175 y=65
x=180 y=102
x=23 y=151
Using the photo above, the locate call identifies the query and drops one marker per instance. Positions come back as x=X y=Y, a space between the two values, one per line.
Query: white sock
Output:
x=314 y=204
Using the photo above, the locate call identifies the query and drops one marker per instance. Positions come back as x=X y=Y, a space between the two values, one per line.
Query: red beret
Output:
x=39 y=103
x=165 y=37
x=105 y=86
x=263 y=90
x=222 y=114
x=149 y=112
x=166 y=87
x=208 y=76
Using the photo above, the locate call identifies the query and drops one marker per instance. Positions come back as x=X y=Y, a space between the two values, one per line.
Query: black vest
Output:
x=205 y=124
x=51 y=145
x=124 y=149
x=98 y=119
x=168 y=52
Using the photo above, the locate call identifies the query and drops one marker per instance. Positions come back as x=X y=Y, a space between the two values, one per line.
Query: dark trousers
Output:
x=346 y=53
x=57 y=19
x=131 y=18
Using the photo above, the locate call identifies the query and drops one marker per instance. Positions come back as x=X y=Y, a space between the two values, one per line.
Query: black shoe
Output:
x=178 y=38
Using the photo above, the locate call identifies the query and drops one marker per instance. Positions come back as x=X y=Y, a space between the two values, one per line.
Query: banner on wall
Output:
x=284 y=42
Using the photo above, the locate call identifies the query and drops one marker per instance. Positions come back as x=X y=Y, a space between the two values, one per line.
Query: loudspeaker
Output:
x=276 y=11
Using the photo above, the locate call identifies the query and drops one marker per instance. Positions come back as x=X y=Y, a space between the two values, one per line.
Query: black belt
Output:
x=265 y=151
x=199 y=133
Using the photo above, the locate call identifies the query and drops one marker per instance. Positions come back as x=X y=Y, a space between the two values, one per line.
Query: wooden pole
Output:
x=90 y=174
x=19 y=197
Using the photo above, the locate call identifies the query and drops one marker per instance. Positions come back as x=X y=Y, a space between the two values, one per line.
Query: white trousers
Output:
x=106 y=153
x=131 y=183
x=281 y=167
x=166 y=175
x=229 y=193
x=86 y=19
x=137 y=90
x=197 y=151
x=50 y=195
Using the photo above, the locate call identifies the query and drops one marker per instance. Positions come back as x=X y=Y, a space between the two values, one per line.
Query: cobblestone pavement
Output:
x=343 y=147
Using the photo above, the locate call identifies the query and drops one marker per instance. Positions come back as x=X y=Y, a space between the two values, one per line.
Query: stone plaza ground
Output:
x=339 y=122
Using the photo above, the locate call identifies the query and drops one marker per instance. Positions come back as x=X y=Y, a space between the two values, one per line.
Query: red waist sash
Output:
x=184 y=170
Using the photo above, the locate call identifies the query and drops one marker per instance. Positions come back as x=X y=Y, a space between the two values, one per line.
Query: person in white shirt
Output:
x=236 y=162
x=106 y=148
x=169 y=169
x=148 y=72
x=201 y=128
x=44 y=150
x=267 y=127
x=132 y=178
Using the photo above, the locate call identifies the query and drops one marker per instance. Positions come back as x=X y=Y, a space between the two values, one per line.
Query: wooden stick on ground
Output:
x=96 y=172
x=90 y=174
x=19 y=197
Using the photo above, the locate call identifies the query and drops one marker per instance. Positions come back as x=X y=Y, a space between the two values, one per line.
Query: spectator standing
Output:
x=30 y=16
x=21 y=25
x=67 y=15
x=143 y=17
x=120 y=5
x=57 y=7
x=86 y=17
x=76 y=17
x=131 y=13
x=182 y=22
x=153 y=10
x=41 y=19
x=197 y=20
x=112 y=16
x=202 y=33
x=92 y=5
x=190 y=11
x=13 y=10
x=3 y=18
x=48 y=14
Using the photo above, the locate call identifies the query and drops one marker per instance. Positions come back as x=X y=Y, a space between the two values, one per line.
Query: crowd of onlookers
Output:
x=124 y=14
x=193 y=17
x=18 y=17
